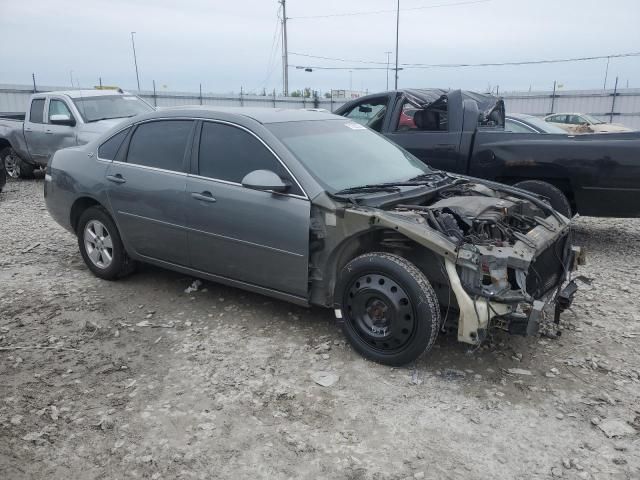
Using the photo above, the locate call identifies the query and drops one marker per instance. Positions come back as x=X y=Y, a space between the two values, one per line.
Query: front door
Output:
x=425 y=133
x=257 y=237
x=58 y=136
x=147 y=190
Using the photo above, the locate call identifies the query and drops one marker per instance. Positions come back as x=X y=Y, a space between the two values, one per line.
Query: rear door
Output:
x=34 y=130
x=58 y=136
x=257 y=237
x=146 y=189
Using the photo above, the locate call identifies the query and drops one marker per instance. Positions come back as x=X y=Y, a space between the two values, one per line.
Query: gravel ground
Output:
x=138 y=379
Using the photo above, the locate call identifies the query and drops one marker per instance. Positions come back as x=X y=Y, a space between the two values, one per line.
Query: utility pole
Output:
x=135 y=60
x=285 y=55
x=388 y=53
x=606 y=74
x=397 y=38
x=350 y=80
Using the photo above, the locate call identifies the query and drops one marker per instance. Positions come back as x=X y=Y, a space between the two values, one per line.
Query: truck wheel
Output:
x=390 y=310
x=557 y=199
x=12 y=163
x=101 y=246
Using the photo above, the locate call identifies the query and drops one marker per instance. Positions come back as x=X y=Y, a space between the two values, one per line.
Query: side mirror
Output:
x=62 y=119
x=264 y=180
x=365 y=109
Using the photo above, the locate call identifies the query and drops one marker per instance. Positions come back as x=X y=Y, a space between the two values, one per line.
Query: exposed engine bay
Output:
x=505 y=253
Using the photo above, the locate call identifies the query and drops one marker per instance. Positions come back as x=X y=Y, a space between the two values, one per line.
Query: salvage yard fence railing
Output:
x=15 y=98
x=613 y=106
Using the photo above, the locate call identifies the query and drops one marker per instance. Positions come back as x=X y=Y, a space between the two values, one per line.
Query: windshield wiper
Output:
x=99 y=119
x=368 y=188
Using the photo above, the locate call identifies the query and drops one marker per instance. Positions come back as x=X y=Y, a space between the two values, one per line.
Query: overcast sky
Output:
x=227 y=44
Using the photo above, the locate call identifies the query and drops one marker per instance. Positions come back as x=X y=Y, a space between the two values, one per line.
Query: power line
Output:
x=377 y=12
x=458 y=65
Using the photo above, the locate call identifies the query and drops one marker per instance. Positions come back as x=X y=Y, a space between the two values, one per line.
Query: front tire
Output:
x=557 y=199
x=390 y=310
x=101 y=246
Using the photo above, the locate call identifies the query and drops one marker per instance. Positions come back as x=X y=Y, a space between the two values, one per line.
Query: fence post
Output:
x=553 y=96
x=200 y=94
x=241 y=100
x=33 y=77
x=155 y=100
x=274 y=98
x=613 y=102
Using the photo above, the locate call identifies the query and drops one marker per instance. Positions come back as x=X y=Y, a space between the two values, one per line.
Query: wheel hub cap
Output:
x=98 y=244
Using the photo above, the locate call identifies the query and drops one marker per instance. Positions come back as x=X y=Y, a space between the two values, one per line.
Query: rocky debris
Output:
x=616 y=428
x=519 y=371
x=325 y=379
x=194 y=287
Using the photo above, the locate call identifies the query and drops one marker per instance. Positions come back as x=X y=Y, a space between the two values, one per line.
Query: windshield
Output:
x=93 y=109
x=592 y=120
x=341 y=154
x=541 y=125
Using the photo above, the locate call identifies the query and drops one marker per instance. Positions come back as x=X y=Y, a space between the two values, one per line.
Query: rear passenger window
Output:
x=229 y=153
x=36 y=114
x=109 y=149
x=160 y=144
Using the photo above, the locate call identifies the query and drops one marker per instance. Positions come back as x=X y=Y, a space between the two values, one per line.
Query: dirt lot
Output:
x=138 y=379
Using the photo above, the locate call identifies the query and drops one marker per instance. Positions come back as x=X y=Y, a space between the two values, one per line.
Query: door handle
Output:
x=117 y=178
x=48 y=132
x=28 y=130
x=443 y=147
x=204 y=196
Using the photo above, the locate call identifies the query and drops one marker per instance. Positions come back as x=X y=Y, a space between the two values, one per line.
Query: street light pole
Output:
x=350 y=80
x=388 y=53
x=397 y=38
x=135 y=59
x=285 y=53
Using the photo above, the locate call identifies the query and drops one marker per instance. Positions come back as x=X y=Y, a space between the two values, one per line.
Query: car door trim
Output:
x=252 y=287
x=237 y=240
x=147 y=167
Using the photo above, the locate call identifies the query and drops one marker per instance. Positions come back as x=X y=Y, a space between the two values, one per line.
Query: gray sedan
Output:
x=315 y=209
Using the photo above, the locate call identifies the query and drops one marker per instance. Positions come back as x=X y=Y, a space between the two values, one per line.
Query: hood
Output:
x=90 y=131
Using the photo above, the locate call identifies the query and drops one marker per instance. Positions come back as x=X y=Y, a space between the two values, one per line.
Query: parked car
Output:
x=521 y=123
x=463 y=132
x=583 y=123
x=61 y=119
x=317 y=210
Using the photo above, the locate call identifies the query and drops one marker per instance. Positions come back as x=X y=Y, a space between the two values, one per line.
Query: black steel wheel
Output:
x=390 y=311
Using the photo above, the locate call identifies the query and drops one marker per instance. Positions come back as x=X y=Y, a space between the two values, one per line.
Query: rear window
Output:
x=109 y=149
x=36 y=114
x=160 y=144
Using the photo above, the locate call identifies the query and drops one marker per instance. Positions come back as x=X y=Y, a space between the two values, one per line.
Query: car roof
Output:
x=86 y=93
x=259 y=114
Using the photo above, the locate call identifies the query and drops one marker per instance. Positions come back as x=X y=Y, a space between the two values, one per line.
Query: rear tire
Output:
x=101 y=246
x=557 y=199
x=12 y=163
x=390 y=311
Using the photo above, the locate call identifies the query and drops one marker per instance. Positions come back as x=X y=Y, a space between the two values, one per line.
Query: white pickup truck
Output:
x=57 y=120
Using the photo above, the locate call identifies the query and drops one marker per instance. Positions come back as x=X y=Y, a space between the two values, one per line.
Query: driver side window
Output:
x=58 y=107
x=370 y=113
x=431 y=119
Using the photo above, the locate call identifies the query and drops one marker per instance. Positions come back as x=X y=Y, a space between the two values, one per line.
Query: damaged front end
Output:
x=506 y=254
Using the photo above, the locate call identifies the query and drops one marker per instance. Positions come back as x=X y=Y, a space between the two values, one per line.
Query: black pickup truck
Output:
x=463 y=132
